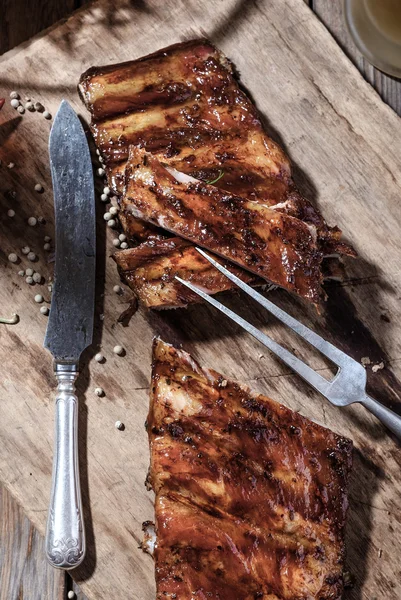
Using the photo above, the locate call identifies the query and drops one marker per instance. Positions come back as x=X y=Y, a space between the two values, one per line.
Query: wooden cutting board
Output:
x=345 y=146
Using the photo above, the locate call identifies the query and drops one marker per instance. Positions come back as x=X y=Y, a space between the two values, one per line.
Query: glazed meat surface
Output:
x=184 y=105
x=273 y=245
x=251 y=498
x=150 y=270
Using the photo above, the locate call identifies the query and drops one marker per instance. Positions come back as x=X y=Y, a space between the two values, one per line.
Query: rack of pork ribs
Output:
x=186 y=154
x=250 y=497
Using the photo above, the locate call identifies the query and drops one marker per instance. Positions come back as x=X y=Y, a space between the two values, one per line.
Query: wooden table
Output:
x=23 y=571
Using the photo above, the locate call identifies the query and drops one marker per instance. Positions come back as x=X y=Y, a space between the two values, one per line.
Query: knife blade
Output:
x=70 y=327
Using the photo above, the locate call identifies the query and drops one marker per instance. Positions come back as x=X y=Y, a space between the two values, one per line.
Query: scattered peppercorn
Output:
x=99 y=357
x=21 y=109
x=44 y=310
x=124 y=245
x=99 y=391
x=117 y=289
x=31 y=256
x=39 y=188
x=119 y=350
x=38 y=298
x=14 y=95
x=13 y=257
x=15 y=103
x=29 y=271
x=47 y=115
x=119 y=425
x=32 y=221
x=11 y=212
x=37 y=277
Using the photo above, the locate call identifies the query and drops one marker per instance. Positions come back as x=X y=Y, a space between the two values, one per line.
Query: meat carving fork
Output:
x=349 y=383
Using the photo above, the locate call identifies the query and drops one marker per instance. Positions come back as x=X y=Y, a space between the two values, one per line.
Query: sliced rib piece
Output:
x=273 y=245
x=184 y=105
x=251 y=498
x=150 y=269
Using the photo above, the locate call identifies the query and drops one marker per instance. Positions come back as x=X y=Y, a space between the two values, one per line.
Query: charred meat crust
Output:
x=184 y=105
x=251 y=498
x=272 y=245
x=150 y=270
x=210 y=128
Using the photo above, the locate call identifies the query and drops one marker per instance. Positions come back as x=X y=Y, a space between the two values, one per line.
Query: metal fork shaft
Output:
x=314 y=379
x=389 y=418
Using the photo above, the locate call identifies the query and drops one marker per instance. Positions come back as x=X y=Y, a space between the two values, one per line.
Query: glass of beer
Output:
x=375 y=26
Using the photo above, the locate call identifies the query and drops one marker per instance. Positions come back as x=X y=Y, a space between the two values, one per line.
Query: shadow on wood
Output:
x=365 y=481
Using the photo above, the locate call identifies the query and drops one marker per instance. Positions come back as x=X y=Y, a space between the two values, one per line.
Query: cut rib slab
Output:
x=275 y=246
x=251 y=497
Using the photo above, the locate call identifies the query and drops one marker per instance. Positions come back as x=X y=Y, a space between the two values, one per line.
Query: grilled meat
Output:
x=251 y=497
x=150 y=268
x=184 y=105
x=273 y=245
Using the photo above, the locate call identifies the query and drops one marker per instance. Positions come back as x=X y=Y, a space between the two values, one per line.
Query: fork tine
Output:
x=314 y=379
x=334 y=354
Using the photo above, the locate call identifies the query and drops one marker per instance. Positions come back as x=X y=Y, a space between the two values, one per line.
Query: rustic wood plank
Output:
x=24 y=571
x=332 y=15
x=340 y=136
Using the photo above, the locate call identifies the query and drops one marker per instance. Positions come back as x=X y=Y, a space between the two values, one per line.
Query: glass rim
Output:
x=384 y=66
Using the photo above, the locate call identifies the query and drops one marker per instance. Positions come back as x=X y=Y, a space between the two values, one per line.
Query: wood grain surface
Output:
x=332 y=15
x=24 y=572
x=340 y=137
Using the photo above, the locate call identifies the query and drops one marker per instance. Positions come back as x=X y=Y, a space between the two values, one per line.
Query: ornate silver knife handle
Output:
x=65 y=535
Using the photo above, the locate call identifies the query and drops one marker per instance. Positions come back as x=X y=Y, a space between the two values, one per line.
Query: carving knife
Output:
x=70 y=326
